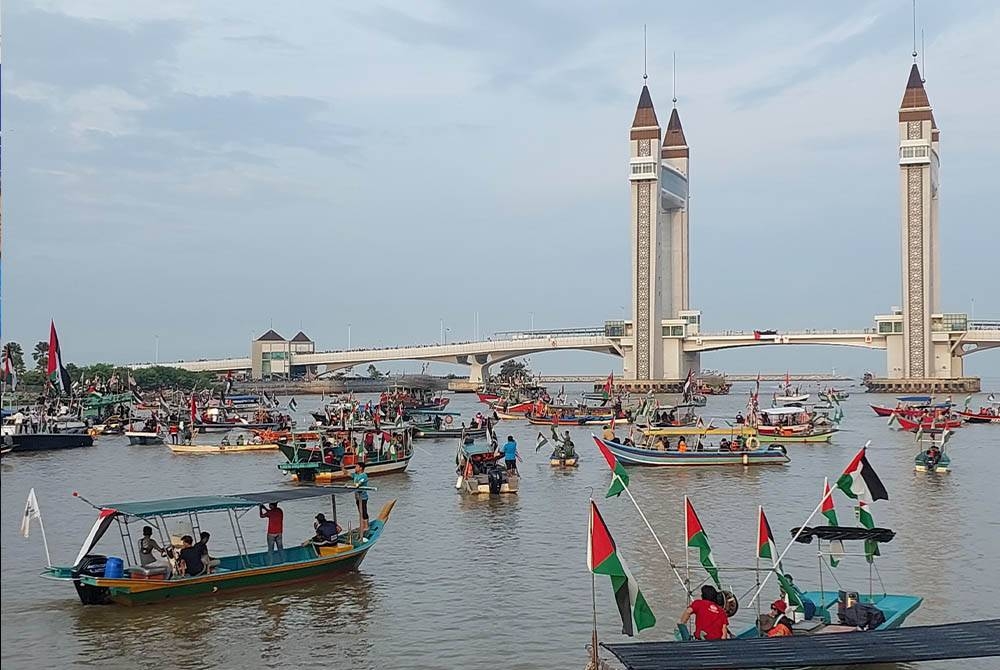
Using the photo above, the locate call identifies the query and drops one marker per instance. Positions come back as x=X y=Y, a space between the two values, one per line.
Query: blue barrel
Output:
x=114 y=568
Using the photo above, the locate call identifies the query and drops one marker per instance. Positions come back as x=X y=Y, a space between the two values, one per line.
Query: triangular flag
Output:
x=619 y=475
x=603 y=559
x=698 y=539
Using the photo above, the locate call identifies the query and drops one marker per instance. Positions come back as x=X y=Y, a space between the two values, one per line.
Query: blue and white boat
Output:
x=750 y=453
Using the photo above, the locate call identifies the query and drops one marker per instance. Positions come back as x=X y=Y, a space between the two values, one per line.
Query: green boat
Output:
x=101 y=579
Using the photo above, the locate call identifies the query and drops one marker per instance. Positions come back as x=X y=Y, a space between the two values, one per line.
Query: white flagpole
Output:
x=653 y=533
x=45 y=543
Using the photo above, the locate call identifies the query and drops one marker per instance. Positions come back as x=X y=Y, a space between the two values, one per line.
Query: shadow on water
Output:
x=323 y=619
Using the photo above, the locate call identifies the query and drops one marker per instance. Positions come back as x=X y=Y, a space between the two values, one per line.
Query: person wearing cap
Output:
x=782 y=624
x=327 y=531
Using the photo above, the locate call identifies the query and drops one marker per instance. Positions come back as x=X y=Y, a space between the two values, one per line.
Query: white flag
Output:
x=30 y=512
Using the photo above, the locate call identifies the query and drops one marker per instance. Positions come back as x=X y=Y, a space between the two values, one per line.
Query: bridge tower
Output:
x=644 y=360
x=674 y=156
x=918 y=167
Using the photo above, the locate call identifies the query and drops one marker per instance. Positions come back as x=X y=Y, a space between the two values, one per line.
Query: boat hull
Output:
x=651 y=457
x=927 y=426
x=27 y=443
x=798 y=438
x=136 y=438
x=563 y=462
x=895 y=607
x=220 y=448
x=943 y=465
x=473 y=486
x=971 y=417
x=450 y=432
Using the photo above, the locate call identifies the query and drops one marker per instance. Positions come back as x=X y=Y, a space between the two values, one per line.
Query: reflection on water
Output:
x=477 y=582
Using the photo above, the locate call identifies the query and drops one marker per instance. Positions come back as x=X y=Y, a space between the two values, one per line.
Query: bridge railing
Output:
x=781 y=333
x=989 y=324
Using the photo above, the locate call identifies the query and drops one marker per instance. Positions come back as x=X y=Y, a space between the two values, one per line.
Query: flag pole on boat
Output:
x=31 y=511
x=594 y=660
x=798 y=533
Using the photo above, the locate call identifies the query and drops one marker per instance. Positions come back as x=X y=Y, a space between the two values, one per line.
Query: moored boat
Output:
x=101 y=579
x=28 y=443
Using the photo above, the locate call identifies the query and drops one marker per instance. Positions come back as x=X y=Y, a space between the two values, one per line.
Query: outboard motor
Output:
x=92 y=565
x=495 y=479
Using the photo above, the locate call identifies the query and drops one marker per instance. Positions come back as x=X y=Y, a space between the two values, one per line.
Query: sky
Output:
x=181 y=176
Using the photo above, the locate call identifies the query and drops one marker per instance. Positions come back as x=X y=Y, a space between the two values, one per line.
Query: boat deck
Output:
x=968 y=639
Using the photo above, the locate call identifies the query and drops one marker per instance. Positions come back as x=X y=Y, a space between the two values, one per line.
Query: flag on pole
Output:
x=698 y=539
x=540 y=441
x=9 y=373
x=765 y=539
x=613 y=417
x=194 y=409
x=860 y=480
x=836 y=546
x=865 y=519
x=619 y=475
x=31 y=511
x=55 y=370
x=292 y=405
x=603 y=559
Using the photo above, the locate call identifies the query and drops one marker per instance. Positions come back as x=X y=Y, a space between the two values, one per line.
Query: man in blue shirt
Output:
x=510 y=454
x=361 y=497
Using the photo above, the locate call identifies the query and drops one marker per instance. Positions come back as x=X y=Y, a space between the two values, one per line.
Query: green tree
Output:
x=41 y=355
x=373 y=372
x=513 y=371
x=13 y=351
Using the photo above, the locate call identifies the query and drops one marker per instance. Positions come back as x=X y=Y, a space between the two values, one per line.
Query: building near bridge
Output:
x=271 y=355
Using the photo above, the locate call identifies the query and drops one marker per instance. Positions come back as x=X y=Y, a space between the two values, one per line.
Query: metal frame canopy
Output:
x=189 y=504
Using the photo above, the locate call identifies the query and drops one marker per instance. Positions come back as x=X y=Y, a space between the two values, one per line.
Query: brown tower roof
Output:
x=300 y=337
x=270 y=336
x=674 y=137
x=915 y=95
x=645 y=115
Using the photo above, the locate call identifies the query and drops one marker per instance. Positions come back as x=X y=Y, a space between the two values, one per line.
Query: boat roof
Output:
x=914 y=398
x=781 y=410
x=221 y=502
x=438 y=412
x=831 y=533
x=476 y=449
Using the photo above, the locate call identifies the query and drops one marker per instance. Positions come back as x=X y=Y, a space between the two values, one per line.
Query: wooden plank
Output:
x=970 y=639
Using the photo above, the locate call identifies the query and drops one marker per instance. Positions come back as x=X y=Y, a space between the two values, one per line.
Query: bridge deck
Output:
x=971 y=639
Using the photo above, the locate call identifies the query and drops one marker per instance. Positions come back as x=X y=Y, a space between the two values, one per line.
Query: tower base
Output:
x=932 y=386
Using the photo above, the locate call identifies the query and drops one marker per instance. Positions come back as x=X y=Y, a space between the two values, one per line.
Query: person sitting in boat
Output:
x=225 y=441
x=710 y=620
x=256 y=439
x=202 y=546
x=147 y=545
x=628 y=441
x=609 y=433
x=659 y=444
x=739 y=418
x=239 y=440
x=327 y=532
x=782 y=626
x=682 y=445
x=725 y=445
x=932 y=456
x=190 y=559
x=437 y=422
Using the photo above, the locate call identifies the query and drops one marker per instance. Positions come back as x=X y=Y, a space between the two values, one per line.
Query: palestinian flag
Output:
x=765 y=540
x=56 y=371
x=697 y=539
x=609 y=385
x=619 y=475
x=836 y=546
x=9 y=373
x=865 y=519
x=860 y=480
x=540 y=441
x=603 y=559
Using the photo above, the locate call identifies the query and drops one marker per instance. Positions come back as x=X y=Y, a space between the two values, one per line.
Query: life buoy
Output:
x=752 y=442
x=448 y=420
x=729 y=603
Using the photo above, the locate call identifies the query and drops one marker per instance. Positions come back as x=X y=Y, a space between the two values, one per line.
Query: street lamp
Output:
x=348 y=336
x=532 y=316
x=156 y=349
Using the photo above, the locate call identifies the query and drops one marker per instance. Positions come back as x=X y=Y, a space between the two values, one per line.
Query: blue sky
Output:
x=199 y=172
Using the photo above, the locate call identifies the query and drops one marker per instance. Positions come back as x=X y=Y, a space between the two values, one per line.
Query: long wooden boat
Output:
x=480 y=472
x=101 y=579
x=980 y=417
x=220 y=448
x=928 y=425
x=643 y=455
x=558 y=459
x=141 y=437
x=701 y=431
x=437 y=433
x=310 y=463
x=226 y=426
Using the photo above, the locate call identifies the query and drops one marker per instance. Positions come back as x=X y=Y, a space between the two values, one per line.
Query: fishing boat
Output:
x=813 y=436
x=989 y=414
x=926 y=424
x=739 y=452
x=911 y=405
x=481 y=472
x=438 y=433
x=143 y=437
x=28 y=443
x=790 y=399
x=932 y=456
x=101 y=579
x=559 y=459
x=221 y=448
x=334 y=462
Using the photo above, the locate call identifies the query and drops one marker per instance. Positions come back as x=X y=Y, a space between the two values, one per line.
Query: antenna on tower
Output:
x=645 y=76
x=923 y=58
x=675 y=79
x=914 y=31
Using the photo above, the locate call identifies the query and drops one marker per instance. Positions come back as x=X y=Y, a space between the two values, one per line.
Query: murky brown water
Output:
x=482 y=584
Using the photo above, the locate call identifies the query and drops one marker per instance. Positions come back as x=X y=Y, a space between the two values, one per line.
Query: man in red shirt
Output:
x=711 y=622
x=275 y=523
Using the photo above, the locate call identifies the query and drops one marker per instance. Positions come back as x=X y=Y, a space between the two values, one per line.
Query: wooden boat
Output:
x=928 y=424
x=480 y=471
x=226 y=426
x=101 y=579
x=932 y=456
x=911 y=406
x=313 y=464
x=221 y=448
x=558 y=459
x=989 y=414
x=437 y=433
x=487 y=397
x=790 y=399
x=753 y=454
x=28 y=443
x=141 y=437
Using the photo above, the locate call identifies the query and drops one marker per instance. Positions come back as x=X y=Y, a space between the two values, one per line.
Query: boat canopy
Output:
x=781 y=411
x=436 y=412
x=477 y=449
x=234 y=501
x=831 y=533
x=915 y=398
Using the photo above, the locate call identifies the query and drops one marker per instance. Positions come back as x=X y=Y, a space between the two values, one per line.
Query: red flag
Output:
x=610 y=384
x=55 y=371
x=194 y=409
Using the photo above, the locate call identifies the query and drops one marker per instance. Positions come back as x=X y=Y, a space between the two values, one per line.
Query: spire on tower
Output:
x=645 y=115
x=915 y=96
x=674 y=142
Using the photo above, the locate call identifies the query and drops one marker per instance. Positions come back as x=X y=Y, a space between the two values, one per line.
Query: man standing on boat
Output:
x=361 y=496
x=510 y=454
x=275 y=526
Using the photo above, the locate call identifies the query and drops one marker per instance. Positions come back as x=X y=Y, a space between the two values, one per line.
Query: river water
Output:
x=460 y=583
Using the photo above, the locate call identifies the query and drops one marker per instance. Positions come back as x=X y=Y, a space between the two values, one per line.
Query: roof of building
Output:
x=915 y=96
x=270 y=336
x=301 y=337
x=645 y=115
x=674 y=137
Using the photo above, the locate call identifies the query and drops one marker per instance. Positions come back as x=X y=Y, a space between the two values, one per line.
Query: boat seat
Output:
x=807 y=627
x=146 y=571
